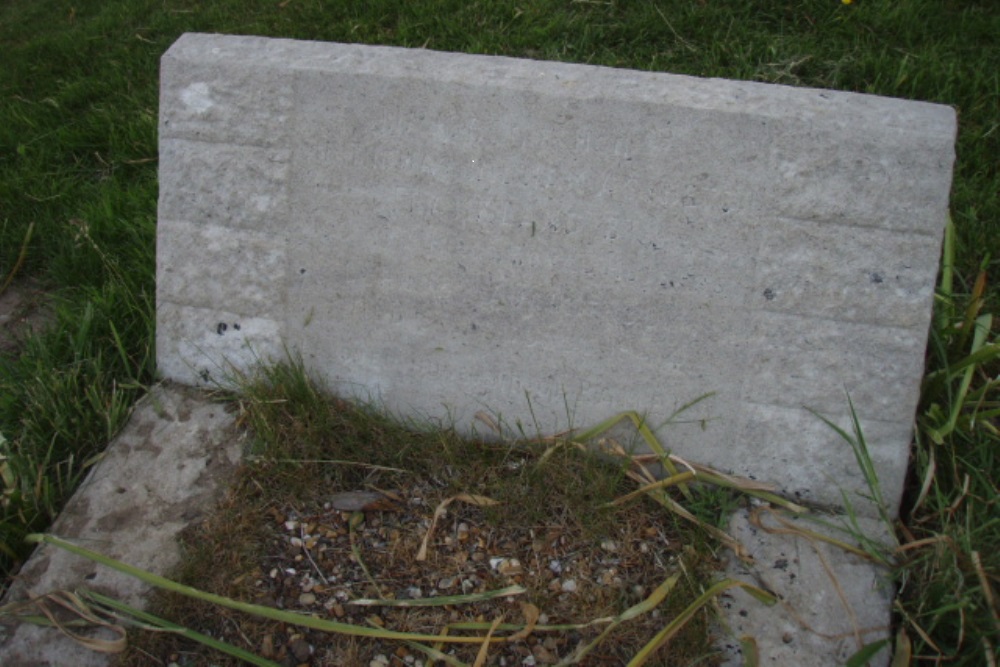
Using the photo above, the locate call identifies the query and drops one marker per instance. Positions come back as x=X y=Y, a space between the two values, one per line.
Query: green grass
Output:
x=78 y=108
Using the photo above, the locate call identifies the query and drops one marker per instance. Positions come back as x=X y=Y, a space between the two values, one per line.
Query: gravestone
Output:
x=555 y=243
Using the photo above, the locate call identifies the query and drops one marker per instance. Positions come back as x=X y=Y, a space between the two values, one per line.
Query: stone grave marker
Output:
x=555 y=243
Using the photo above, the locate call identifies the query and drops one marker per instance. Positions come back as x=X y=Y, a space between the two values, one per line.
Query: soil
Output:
x=22 y=311
x=315 y=559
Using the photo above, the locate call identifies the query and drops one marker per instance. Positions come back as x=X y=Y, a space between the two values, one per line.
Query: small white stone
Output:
x=568 y=586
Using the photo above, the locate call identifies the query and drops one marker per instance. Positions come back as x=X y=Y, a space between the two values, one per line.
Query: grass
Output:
x=78 y=108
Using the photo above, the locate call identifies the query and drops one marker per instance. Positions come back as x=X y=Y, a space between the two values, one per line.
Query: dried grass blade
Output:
x=659 y=484
x=479 y=501
x=672 y=628
x=291 y=618
x=484 y=650
x=531 y=616
x=645 y=432
x=788 y=528
x=436 y=654
x=651 y=602
x=774 y=499
x=487 y=419
x=439 y=511
x=78 y=607
x=984 y=581
x=356 y=520
x=897 y=605
x=678 y=509
x=164 y=625
x=471 y=598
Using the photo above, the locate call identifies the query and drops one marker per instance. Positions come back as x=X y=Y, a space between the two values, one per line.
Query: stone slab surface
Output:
x=831 y=602
x=556 y=243
x=159 y=475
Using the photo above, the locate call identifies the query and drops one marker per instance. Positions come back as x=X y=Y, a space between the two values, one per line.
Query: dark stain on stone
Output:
x=109 y=522
x=148 y=446
x=145 y=430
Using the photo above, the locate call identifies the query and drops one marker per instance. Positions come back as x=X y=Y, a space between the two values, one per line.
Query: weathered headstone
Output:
x=556 y=243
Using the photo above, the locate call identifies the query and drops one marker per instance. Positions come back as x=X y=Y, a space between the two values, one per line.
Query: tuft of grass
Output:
x=949 y=569
x=72 y=387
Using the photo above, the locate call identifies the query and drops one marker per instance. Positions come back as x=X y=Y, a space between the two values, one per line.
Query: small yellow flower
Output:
x=847 y=2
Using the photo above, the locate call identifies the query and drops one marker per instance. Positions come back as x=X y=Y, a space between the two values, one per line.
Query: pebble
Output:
x=446 y=583
x=379 y=661
x=569 y=586
x=300 y=649
x=307 y=599
x=509 y=567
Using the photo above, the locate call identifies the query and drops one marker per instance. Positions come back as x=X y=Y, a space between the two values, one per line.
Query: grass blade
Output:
x=167 y=626
x=444 y=600
x=672 y=628
x=291 y=618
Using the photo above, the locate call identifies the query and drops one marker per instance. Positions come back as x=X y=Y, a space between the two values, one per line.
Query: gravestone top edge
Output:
x=835 y=107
